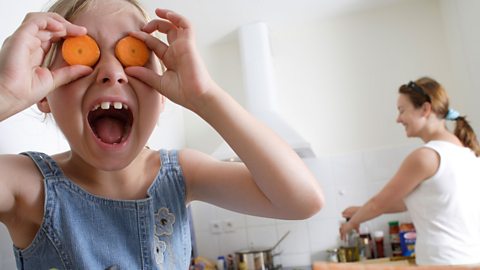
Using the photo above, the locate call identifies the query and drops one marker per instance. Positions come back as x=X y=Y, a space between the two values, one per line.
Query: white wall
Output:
x=342 y=75
x=463 y=37
x=338 y=82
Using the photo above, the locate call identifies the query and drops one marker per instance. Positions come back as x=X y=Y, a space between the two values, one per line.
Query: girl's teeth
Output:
x=105 y=105
x=117 y=105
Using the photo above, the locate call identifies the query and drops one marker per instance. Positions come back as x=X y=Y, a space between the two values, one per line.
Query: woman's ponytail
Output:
x=465 y=133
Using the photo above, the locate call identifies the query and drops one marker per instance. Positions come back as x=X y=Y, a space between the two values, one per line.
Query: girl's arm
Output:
x=418 y=166
x=23 y=82
x=272 y=180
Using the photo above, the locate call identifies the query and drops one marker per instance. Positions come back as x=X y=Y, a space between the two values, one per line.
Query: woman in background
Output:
x=438 y=183
x=109 y=202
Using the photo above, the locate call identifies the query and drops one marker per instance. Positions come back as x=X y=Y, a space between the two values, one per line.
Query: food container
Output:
x=258 y=258
x=255 y=259
x=348 y=254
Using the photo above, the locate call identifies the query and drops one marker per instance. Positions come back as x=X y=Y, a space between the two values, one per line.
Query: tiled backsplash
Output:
x=347 y=179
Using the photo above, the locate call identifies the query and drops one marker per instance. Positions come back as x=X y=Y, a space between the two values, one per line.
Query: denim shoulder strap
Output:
x=47 y=166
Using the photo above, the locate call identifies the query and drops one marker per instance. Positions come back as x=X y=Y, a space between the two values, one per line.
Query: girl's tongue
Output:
x=111 y=125
x=109 y=130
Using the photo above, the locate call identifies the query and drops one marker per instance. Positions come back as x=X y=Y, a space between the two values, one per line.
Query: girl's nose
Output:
x=110 y=71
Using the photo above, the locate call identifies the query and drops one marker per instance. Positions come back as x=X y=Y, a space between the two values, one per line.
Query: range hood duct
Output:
x=260 y=90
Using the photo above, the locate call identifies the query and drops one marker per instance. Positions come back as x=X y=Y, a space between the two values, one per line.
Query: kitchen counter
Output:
x=391 y=261
x=383 y=264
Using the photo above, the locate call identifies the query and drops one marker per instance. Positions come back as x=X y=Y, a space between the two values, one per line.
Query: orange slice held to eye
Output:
x=80 y=50
x=132 y=51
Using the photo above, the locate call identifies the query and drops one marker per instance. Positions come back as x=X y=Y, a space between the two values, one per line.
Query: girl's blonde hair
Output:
x=71 y=8
x=427 y=89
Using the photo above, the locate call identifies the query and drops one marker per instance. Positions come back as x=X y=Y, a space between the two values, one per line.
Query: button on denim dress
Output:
x=84 y=231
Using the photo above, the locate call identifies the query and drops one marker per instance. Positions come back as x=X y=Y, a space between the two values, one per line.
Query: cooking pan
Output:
x=257 y=259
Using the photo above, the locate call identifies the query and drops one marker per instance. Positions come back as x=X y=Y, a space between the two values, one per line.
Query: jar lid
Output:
x=393 y=223
x=378 y=234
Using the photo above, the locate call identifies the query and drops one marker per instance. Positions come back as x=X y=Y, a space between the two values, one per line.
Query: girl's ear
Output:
x=43 y=106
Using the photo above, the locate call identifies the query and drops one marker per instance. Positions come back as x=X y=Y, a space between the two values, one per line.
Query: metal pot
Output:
x=257 y=259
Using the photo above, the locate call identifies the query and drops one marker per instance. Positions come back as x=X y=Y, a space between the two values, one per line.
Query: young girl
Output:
x=110 y=202
x=437 y=183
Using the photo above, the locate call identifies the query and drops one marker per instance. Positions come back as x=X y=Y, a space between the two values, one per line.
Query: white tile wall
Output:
x=347 y=179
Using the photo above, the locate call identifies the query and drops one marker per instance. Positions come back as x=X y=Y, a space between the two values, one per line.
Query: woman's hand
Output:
x=186 y=79
x=347 y=227
x=350 y=211
x=23 y=81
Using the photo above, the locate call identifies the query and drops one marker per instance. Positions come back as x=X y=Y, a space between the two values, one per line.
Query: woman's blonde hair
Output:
x=71 y=8
x=427 y=89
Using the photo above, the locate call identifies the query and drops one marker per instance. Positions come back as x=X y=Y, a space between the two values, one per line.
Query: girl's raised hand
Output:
x=186 y=79
x=23 y=81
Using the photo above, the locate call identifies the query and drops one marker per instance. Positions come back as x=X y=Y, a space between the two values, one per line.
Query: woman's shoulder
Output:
x=450 y=148
x=423 y=153
x=423 y=160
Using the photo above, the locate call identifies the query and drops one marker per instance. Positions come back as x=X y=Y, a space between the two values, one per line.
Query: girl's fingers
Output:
x=175 y=18
x=148 y=76
x=52 y=23
x=156 y=45
x=68 y=74
x=57 y=23
x=158 y=25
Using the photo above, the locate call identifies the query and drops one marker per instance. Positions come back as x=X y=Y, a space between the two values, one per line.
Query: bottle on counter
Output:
x=394 y=232
x=379 y=245
x=366 y=247
x=349 y=249
x=221 y=263
x=342 y=257
x=352 y=246
x=230 y=262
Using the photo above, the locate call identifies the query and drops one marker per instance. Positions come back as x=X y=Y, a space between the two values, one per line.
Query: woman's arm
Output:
x=394 y=207
x=416 y=168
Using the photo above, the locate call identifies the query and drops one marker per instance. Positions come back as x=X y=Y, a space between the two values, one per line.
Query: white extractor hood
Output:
x=260 y=90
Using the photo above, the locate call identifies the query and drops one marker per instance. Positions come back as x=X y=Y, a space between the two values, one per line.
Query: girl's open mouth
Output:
x=111 y=122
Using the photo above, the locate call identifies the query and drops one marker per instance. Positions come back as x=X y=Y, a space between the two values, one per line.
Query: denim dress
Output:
x=84 y=231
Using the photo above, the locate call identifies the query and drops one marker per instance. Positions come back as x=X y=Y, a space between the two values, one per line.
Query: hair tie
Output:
x=452 y=115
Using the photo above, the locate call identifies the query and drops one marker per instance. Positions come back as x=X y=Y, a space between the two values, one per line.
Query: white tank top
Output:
x=445 y=209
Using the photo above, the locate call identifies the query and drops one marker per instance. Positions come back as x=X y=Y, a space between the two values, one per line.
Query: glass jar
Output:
x=379 y=246
x=394 y=232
